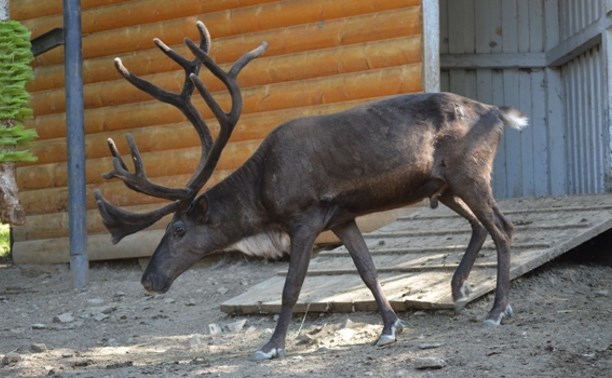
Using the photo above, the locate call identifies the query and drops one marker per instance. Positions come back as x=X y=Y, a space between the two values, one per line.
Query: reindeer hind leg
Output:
x=459 y=285
x=479 y=199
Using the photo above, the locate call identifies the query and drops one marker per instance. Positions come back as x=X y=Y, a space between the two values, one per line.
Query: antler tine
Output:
x=138 y=180
x=228 y=120
x=190 y=66
x=228 y=79
x=146 y=86
x=179 y=100
x=121 y=223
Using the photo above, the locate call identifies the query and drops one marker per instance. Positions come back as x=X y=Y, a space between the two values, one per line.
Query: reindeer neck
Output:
x=236 y=199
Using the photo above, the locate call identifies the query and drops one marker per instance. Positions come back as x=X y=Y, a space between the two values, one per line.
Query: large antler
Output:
x=121 y=223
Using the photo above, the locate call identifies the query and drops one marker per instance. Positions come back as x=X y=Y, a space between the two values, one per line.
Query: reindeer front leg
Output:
x=302 y=242
x=351 y=237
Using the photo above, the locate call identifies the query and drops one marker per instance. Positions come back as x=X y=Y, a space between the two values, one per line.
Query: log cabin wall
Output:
x=323 y=56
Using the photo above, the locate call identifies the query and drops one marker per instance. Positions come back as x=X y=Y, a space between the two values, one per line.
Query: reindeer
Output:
x=319 y=173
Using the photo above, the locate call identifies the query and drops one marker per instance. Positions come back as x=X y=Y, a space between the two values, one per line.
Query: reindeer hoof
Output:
x=465 y=292
x=396 y=329
x=494 y=321
x=260 y=355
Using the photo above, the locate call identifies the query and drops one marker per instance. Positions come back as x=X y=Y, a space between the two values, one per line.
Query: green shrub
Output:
x=15 y=72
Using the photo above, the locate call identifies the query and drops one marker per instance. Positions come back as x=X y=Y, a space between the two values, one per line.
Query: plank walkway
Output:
x=416 y=255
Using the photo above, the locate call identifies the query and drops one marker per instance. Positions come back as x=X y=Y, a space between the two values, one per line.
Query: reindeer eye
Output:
x=178 y=230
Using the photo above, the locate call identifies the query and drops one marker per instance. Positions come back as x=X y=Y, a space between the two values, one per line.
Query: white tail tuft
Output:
x=513 y=118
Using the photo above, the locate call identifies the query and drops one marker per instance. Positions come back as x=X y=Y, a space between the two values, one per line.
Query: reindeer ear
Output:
x=198 y=210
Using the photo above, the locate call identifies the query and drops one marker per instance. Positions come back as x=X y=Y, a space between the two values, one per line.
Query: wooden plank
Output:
x=536 y=26
x=253 y=126
x=135 y=12
x=496 y=30
x=331 y=34
x=513 y=147
x=488 y=246
x=539 y=135
x=263 y=71
x=405 y=234
x=494 y=60
x=526 y=135
x=522 y=25
x=415 y=279
x=509 y=26
x=527 y=211
x=317 y=91
x=455 y=27
x=552 y=18
x=444 y=22
x=499 y=164
x=578 y=43
x=484 y=19
x=26 y=9
x=306 y=17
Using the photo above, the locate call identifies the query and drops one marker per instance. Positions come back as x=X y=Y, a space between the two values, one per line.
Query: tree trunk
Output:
x=11 y=211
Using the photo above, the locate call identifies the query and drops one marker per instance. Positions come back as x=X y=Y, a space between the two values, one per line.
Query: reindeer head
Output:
x=179 y=248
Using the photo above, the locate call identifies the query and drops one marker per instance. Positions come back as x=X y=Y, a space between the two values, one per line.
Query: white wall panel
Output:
x=483 y=29
x=496 y=52
x=575 y=15
x=587 y=127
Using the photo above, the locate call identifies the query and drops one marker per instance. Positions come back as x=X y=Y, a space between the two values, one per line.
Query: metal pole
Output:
x=75 y=135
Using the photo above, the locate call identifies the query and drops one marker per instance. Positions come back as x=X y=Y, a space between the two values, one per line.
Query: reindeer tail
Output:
x=513 y=118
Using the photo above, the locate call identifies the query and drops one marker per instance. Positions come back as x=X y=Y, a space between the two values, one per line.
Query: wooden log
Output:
x=401 y=23
x=27 y=9
x=254 y=126
x=171 y=142
x=263 y=71
x=374 y=83
x=183 y=161
x=55 y=225
x=140 y=12
x=42 y=16
x=384 y=25
x=53 y=200
x=99 y=247
x=54 y=250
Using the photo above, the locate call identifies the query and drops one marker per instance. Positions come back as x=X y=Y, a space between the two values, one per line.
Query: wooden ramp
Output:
x=417 y=254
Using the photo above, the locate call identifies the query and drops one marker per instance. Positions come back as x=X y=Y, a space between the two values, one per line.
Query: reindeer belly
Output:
x=385 y=191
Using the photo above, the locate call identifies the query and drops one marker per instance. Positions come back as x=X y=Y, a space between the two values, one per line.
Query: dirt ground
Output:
x=562 y=327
